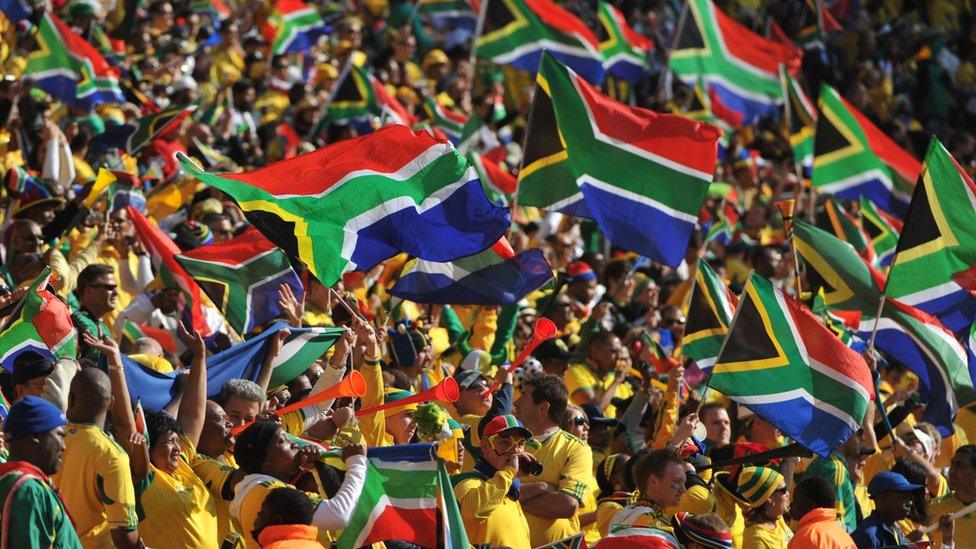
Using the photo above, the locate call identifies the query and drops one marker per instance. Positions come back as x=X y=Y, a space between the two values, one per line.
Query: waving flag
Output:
x=700 y=109
x=882 y=228
x=789 y=369
x=641 y=175
x=302 y=348
x=908 y=335
x=458 y=13
x=498 y=183
x=296 y=25
x=448 y=121
x=131 y=138
x=738 y=64
x=496 y=276
x=801 y=122
x=132 y=331
x=709 y=315
x=625 y=51
x=42 y=324
x=71 y=69
x=361 y=100
x=26 y=184
x=242 y=277
x=355 y=203
x=15 y=10
x=853 y=158
x=818 y=23
x=406 y=495
x=163 y=251
x=936 y=243
x=517 y=32
x=836 y=219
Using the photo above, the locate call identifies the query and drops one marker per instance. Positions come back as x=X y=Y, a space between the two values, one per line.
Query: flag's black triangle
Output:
x=690 y=37
x=348 y=91
x=543 y=140
x=920 y=227
x=749 y=340
x=497 y=16
x=701 y=315
x=829 y=138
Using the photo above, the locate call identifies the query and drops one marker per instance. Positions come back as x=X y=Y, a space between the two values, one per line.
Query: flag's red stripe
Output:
x=234 y=251
x=753 y=49
x=907 y=166
x=418 y=526
x=558 y=18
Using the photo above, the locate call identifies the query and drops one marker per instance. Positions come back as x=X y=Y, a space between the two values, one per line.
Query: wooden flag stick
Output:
x=346 y=306
x=735 y=315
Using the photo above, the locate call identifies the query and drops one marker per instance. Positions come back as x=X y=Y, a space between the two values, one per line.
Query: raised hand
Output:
x=194 y=341
x=290 y=305
x=105 y=345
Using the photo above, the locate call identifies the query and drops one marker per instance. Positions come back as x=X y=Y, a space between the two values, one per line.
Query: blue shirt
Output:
x=874 y=533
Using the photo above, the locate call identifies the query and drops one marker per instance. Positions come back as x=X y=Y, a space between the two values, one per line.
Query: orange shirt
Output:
x=820 y=529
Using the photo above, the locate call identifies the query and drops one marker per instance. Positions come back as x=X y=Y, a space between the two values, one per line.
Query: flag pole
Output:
x=877 y=319
x=343 y=74
x=735 y=315
x=787 y=208
x=478 y=28
x=797 y=162
x=665 y=79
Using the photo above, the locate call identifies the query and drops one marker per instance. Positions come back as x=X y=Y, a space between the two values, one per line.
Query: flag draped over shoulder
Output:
x=741 y=66
x=69 y=68
x=641 y=175
x=163 y=251
x=709 y=314
x=242 y=361
x=242 y=277
x=355 y=203
x=42 y=324
x=789 y=369
x=517 y=32
x=936 y=251
x=496 y=276
x=406 y=495
x=913 y=338
x=853 y=158
x=625 y=51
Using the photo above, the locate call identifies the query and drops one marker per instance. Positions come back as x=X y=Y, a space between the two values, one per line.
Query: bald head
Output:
x=147 y=346
x=90 y=396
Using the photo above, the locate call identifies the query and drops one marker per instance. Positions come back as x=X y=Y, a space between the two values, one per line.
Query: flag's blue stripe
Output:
x=500 y=284
x=629 y=70
x=15 y=10
x=902 y=348
x=751 y=109
x=114 y=137
x=463 y=224
x=638 y=227
x=881 y=195
x=64 y=88
x=156 y=390
x=956 y=310
x=264 y=299
x=404 y=452
x=819 y=431
x=589 y=67
x=304 y=40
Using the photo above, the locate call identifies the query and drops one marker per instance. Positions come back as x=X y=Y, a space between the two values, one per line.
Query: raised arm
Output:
x=274 y=348
x=193 y=406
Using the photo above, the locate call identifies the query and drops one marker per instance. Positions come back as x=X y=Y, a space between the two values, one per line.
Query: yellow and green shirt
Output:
x=567 y=464
x=580 y=377
x=489 y=515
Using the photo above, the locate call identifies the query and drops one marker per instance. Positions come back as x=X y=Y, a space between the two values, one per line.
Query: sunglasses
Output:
x=580 y=421
x=673 y=321
x=782 y=490
x=479 y=386
x=109 y=287
x=506 y=445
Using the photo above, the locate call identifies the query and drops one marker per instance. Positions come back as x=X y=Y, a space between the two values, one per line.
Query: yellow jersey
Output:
x=216 y=475
x=567 y=464
x=249 y=498
x=489 y=515
x=96 y=485
x=581 y=377
x=763 y=536
x=965 y=527
x=180 y=511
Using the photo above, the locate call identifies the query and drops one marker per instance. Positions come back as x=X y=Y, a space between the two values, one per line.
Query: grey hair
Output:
x=242 y=389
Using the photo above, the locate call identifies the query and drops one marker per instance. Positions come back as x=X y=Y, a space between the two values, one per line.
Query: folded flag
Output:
x=517 y=32
x=641 y=175
x=625 y=51
x=936 y=243
x=496 y=276
x=69 y=68
x=42 y=323
x=883 y=229
x=132 y=331
x=853 y=158
x=908 y=335
x=408 y=497
x=709 y=314
x=163 y=251
x=242 y=277
x=355 y=203
x=789 y=369
x=297 y=26
x=447 y=120
x=801 y=122
x=132 y=137
x=738 y=64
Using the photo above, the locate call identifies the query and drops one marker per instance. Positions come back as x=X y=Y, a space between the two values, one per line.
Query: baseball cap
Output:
x=890 y=481
x=507 y=424
x=596 y=417
x=467 y=378
x=31 y=415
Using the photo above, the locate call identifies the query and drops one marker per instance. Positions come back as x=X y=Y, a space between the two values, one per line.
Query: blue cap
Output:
x=32 y=415
x=890 y=481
